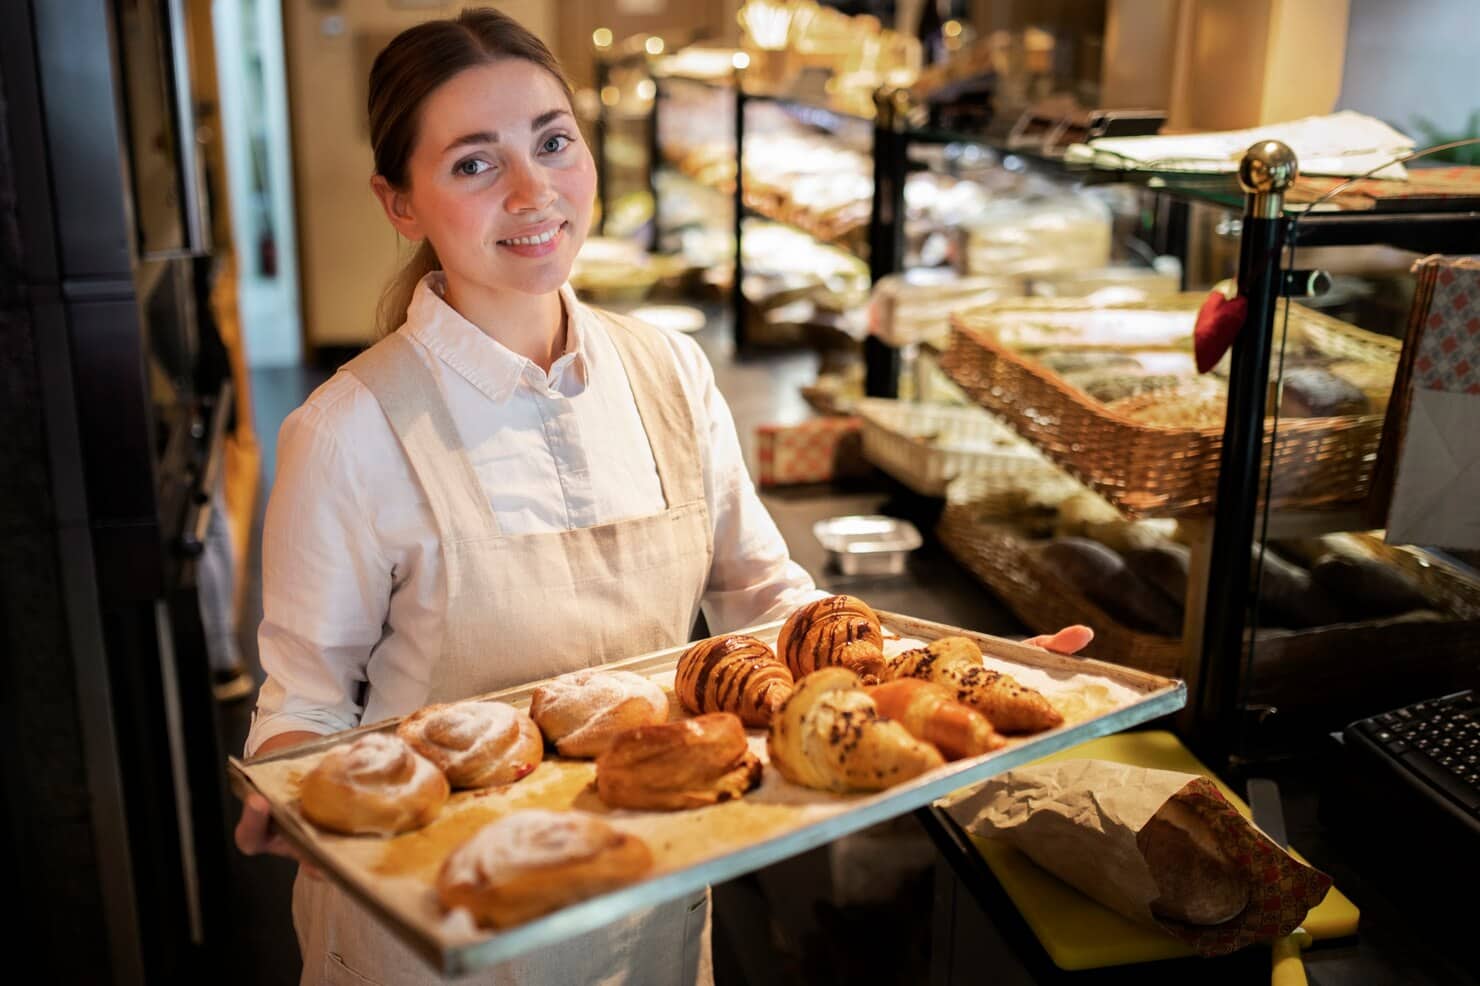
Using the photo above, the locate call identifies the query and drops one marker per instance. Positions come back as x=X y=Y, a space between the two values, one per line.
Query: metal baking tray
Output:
x=1097 y=699
x=870 y=544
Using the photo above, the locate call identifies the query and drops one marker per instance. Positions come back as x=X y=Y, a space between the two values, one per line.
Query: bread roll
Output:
x=533 y=862
x=1197 y=883
x=1103 y=577
x=1311 y=392
x=581 y=711
x=674 y=765
x=476 y=744
x=375 y=785
x=1368 y=588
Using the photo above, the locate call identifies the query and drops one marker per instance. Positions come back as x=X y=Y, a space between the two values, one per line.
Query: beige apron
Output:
x=521 y=608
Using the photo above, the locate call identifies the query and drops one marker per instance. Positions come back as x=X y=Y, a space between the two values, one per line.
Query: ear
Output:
x=397 y=206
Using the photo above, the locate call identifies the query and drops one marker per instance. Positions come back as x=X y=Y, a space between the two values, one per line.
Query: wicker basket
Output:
x=1153 y=470
x=999 y=556
x=925 y=446
x=1332 y=674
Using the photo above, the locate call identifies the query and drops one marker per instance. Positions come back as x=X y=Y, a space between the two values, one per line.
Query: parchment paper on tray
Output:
x=1090 y=822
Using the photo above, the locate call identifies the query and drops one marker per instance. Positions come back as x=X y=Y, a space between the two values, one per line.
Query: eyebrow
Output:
x=491 y=136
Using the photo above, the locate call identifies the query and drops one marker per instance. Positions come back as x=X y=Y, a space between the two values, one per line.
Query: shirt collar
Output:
x=485 y=362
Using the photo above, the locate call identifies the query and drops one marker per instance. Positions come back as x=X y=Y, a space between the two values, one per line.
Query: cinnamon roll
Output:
x=374 y=785
x=581 y=711
x=476 y=744
x=533 y=862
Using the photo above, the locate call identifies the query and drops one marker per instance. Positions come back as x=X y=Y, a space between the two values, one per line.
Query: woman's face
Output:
x=499 y=180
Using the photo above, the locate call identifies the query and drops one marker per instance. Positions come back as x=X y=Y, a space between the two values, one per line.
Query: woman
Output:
x=508 y=486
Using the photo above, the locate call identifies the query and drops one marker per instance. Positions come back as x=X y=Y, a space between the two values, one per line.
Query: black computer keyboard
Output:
x=1434 y=745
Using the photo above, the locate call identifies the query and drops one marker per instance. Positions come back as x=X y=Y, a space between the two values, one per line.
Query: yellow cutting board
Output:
x=1079 y=933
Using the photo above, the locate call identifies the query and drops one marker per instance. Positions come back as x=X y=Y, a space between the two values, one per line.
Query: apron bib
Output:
x=525 y=607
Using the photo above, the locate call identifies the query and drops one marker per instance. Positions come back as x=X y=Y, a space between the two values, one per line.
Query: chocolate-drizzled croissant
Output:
x=736 y=674
x=956 y=662
x=836 y=631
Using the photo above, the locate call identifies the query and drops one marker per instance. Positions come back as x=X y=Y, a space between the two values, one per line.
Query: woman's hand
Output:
x=256 y=834
x=1070 y=640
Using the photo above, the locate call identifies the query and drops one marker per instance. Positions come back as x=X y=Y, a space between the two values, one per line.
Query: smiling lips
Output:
x=535 y=245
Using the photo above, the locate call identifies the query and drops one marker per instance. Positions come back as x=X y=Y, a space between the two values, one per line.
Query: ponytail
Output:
x=390 y=314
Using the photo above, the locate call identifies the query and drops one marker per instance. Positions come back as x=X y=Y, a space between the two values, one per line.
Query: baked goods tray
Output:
x=394 y=878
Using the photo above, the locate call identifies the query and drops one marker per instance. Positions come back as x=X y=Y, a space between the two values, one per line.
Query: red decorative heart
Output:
x=1218 y=323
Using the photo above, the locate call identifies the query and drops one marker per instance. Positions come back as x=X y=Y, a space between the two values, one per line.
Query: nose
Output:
x=529 y=188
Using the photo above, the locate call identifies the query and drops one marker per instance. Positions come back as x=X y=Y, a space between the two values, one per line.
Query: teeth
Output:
x=534 y=240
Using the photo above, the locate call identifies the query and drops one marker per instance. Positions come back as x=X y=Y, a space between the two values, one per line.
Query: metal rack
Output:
x=1220 y=598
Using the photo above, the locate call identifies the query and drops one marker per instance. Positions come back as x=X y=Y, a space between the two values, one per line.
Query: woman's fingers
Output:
x=252 y=829
x=1070 y=640
x=255 y=834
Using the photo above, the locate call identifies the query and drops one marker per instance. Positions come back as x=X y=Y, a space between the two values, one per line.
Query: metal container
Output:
x=867 y=544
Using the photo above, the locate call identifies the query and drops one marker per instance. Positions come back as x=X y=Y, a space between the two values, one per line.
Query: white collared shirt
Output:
x=353 y=585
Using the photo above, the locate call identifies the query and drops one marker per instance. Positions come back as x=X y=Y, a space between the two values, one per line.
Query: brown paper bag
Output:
x=1080 y=820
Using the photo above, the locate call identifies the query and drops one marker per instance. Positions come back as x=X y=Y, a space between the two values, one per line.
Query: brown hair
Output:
x=416 y=62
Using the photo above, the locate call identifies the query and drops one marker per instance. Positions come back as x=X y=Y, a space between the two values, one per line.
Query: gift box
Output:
x=817 y=450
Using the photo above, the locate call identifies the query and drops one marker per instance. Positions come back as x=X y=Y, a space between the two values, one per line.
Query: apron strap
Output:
x=666 y=417
x=408 y=393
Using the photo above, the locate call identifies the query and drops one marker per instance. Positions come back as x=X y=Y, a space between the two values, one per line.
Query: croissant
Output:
x=956 y=662
x=374 y=785
x=673 y=765
x=476 y=744
x=736 y=674
x=838 y=630
x=932 y=714
x=533 y=862
x=830 y=736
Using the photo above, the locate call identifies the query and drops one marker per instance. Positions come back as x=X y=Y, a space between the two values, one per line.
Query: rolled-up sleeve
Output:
x=752 y=578
x=325 y=586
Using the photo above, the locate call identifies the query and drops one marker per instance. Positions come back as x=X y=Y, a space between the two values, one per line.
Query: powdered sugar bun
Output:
x=535 y=861
x=581 y=711
x=376 y=784
x=476 y=744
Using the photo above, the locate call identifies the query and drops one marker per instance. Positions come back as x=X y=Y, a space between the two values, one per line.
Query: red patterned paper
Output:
x=1281 y=889
x=1448 y=357
x=815 y=451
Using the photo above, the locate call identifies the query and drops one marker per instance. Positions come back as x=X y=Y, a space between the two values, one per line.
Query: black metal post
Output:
x=654 y=162
x=1268 y=168
x=737 y=294
x=881 y=362
x=603 y=78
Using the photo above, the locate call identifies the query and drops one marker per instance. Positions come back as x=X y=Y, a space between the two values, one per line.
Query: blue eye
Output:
x=471 y=167
x=555 y=144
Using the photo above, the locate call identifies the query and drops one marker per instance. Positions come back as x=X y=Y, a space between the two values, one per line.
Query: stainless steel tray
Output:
x=1141 y=697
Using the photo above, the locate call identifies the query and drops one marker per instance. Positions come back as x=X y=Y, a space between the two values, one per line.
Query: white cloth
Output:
x=354 y=588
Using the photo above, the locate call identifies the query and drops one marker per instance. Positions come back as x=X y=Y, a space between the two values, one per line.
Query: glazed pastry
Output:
x=674 y=765
x=376 y=785
x=956 y=663
x=533 y=862
x=830 y=736
x=838 y=630
x=932 y=714
x=581 y=711
x=476 y=744
x=736 y=674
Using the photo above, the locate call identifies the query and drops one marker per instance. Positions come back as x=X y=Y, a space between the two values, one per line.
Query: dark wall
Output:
x=46 y=826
